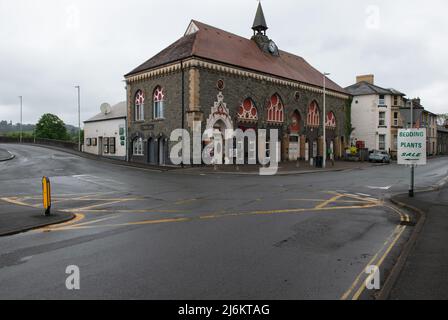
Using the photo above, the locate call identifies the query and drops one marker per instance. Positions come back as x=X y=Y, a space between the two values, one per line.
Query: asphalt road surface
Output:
x=142 y=234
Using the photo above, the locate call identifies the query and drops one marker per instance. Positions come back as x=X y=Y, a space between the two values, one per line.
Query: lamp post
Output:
x=21 y=117
x=324 y=116
x=411 y=190
x=79 y=117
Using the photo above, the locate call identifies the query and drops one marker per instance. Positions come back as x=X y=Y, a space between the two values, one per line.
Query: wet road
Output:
x=170 y=235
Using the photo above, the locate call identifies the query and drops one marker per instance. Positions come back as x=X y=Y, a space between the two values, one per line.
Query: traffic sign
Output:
x=412 y=147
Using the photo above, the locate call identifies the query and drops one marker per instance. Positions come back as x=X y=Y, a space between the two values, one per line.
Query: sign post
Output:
x=412 y=151
x=46 y=195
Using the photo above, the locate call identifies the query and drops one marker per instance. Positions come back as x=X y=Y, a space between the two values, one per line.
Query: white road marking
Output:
x=380 y=188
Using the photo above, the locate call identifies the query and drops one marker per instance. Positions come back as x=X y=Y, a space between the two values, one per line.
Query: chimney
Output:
x=417 y=101
x=369 y=78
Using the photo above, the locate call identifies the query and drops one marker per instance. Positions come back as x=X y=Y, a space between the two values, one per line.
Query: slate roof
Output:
x=118 y=111
x=364 y=88
x=396 y=92
x=223 y=47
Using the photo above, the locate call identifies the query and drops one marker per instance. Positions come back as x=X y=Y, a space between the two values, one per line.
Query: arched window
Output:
x=330 y=122
x=139 y=106
x=275 y=110
x=159 y=99
x=247 y=112
x=313 y=118
x=137 y=146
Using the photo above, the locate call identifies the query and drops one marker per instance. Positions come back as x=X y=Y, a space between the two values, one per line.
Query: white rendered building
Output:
x=105 y=134
x=372 y=113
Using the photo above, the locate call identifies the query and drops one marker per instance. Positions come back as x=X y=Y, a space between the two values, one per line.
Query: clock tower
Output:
x=261 y=39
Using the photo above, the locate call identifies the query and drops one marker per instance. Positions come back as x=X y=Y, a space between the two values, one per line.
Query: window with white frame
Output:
x=382 y=122
x=382 y=142
x=137 y=146
x=159 y=100
x=139 y=106
x=396 y=119
x=382 y=100
x=106 y=145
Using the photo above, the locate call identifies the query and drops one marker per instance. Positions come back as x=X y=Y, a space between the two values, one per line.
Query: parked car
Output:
x=379 y=156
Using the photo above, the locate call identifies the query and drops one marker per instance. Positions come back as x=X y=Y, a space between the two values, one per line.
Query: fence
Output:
x=47 y=142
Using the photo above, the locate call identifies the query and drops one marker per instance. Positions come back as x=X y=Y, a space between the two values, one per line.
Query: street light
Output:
x=411 y=189
x=21 y=114
x=79 y=117
x=324 y=162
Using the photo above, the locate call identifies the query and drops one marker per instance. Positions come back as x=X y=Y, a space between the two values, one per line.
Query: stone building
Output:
x=226 y=81
x=442 y=139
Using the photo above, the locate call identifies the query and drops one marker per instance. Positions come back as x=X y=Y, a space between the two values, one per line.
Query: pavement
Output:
x=18 y=218
x=424 y=275
x=285 y=168
x=144 y=234
x=5 y=155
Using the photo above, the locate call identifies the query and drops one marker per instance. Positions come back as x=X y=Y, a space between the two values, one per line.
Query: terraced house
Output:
x=225 y=81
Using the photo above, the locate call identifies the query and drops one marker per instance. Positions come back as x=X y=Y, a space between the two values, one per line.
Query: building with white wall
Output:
x=372 y=112
x=105 y=134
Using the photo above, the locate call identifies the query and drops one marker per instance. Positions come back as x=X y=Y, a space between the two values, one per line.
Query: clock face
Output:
x=272 y=47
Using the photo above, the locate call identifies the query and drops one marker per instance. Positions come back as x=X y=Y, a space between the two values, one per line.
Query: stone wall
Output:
x=201 y=93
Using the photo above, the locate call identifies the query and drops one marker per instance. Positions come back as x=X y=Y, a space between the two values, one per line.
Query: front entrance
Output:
x=220 y=120
x=151 y=151
x=100 y=146
x=162 y=151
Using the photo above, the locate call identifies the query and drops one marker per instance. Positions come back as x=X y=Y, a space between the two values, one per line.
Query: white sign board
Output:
x=412 y=146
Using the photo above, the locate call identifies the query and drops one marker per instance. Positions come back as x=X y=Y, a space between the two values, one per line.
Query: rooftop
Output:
x=117 y=111
x=364 y=88
x=207 y=42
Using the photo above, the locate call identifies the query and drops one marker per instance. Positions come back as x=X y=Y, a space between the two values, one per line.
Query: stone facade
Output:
x=155 y=131
x=442 y=140
x=203 y=82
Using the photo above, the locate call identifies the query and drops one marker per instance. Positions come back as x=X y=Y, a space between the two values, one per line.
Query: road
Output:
x=142 y=234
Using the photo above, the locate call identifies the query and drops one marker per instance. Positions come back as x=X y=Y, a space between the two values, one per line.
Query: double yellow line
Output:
x=358 y=287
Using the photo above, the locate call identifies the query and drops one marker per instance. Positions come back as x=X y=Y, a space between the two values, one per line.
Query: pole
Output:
x=324 y=161
x=21 y=117
x=411 y=191
x=79 y=117
x=183 y=110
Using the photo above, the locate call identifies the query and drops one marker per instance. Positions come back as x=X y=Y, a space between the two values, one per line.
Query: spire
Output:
x=260 y=25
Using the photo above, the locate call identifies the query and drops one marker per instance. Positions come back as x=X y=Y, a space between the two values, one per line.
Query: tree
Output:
x=51 y=127
x=348 y=119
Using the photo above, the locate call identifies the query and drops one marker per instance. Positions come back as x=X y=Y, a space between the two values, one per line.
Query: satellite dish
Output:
x=105 y=108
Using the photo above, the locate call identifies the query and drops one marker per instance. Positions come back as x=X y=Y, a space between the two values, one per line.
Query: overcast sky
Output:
x=49 y=46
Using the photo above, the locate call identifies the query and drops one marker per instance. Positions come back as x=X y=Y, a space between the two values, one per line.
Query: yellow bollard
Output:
x=46 y=195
